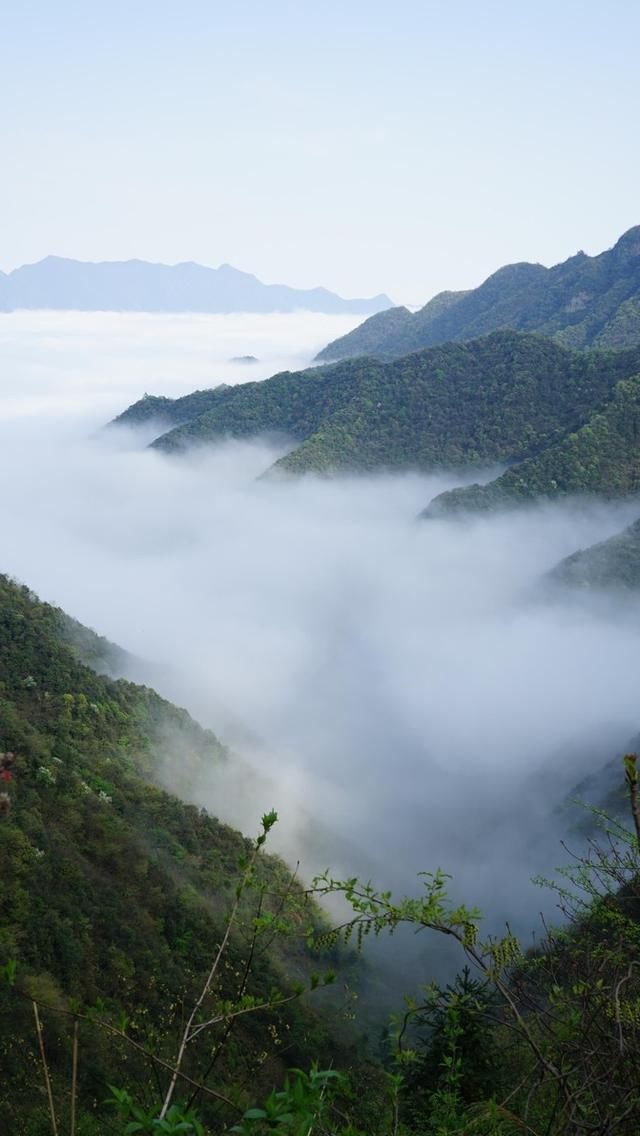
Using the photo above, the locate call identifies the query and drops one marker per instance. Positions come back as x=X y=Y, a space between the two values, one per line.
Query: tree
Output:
x=567 y=1013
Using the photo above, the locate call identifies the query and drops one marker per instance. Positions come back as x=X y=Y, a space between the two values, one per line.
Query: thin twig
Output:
x=135 y=1045
x=47 y=1079
x=230 y=1023
x=631 y=771
x=74 y=1078
x=189 y=1031
x=616 y=999
x=232 y=1015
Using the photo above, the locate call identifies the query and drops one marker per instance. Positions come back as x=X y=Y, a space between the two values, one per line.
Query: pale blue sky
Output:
x=366 y=146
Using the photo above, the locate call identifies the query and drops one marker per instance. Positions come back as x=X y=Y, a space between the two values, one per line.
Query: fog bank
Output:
x=403 y=684
x=95 y=363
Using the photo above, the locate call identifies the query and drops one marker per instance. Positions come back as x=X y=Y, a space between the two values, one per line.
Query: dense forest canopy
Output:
x=113 y=891
x=564 y=422
x=115 y=894
x=601 y=458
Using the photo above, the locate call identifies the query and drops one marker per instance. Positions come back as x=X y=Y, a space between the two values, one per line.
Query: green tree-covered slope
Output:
x=292 y=403
x=613 y=563
x=496 y=399
x=164 y=412
x=601 y=458
x=585 y=301
x=115 y=894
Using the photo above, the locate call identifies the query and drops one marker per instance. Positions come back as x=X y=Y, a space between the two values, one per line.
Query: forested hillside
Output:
x=585 y=301
x=601 y=458
x=460 y=406
x=165 y=412
x=115 y=895
x=610 y=565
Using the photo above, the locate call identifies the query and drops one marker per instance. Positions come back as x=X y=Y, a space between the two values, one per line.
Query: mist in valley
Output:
x=405 y=693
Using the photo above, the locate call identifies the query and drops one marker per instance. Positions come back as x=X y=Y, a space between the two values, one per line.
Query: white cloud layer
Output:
x=95 y=363
x=405 y=684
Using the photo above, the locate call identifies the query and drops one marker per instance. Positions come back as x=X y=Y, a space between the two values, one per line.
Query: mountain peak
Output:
x=629 y=243
x=583 y=302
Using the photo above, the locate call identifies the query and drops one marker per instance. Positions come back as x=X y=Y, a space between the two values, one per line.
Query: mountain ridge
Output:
x=500 y=399
x=601 y=457
x=582 y=301
x=65 y=284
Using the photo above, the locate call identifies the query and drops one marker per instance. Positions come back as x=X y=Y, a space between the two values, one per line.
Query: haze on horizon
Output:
x=364 y=148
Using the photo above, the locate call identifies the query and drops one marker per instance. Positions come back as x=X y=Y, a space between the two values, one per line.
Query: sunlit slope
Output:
x=460 y=406
x=585 y=301
x=601 y=458
x=113 y=891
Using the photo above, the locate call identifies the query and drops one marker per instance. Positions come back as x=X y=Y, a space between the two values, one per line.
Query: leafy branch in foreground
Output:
x=566 y=1014
x=298 y=1107
x=194 y=1026
x=258 y=921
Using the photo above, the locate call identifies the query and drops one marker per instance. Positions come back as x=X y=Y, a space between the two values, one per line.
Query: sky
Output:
x=364 y=146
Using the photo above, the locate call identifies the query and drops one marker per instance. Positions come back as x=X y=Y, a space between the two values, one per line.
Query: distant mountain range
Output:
x=585 y=301
x=137 y=286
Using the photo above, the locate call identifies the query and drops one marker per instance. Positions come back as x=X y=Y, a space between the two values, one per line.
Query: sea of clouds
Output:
x=405 y=693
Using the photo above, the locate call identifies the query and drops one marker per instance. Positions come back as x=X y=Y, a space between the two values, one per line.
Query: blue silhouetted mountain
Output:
x=137 y=286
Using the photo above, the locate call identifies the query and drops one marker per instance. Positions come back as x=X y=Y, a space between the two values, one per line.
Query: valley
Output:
x=396 y=683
